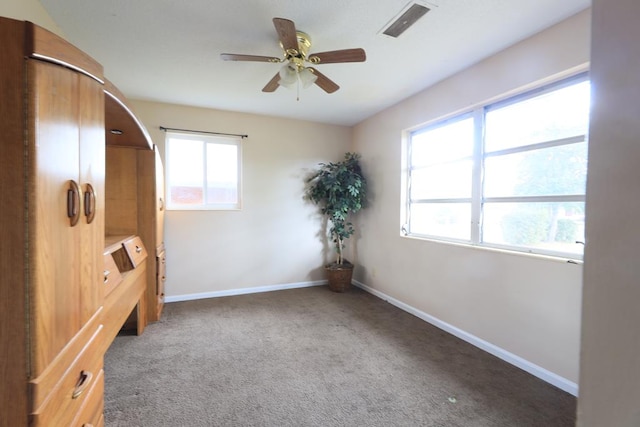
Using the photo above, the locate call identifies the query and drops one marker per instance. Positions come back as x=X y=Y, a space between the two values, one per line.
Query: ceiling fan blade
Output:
x=273 y=84
x=254 y=58
x=324 y=82
x=334 y=56
x=286 y=30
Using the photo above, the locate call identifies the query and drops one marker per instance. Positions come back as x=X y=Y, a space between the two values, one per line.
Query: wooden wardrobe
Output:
x=56 y=319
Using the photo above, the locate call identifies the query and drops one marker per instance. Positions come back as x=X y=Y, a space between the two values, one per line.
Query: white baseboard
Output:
x=243 y=291
x=533 y=369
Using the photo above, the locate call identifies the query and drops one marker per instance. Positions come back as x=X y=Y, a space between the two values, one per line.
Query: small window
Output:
x=203 y=171
x=508 y=175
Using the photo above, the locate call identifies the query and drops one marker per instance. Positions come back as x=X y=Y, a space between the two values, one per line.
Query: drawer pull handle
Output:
x=106 y=275
x=138 y=249
x=83 y=383
x=87 y=425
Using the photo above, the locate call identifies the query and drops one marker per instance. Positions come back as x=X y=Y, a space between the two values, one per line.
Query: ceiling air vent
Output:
x=406 y=19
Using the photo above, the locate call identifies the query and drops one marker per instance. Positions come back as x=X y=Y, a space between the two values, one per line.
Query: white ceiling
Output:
x=169 y=50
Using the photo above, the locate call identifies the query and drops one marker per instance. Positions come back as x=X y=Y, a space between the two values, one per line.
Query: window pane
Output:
x=203 y=172
x=187 y=168
x=550 y=171
x=555 y=115
x=450 y=220
x=444 y=181
x=546 y=226
x=451 y=141
x=222 y=173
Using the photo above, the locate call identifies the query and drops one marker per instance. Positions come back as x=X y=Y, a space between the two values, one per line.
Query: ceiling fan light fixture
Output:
x=307 y=78
x=288 y=76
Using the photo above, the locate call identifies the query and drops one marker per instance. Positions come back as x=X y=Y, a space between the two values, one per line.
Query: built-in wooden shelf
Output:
x=122 y=127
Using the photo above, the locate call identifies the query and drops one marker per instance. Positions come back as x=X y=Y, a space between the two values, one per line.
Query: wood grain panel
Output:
x=121 y=191
x=61 y=407
x=159 y=223
x=53 y=146
x=151 y=201
x=47 y=45
x=45 y=384
x=92 y=176
x=119 y=116
x=161 y=199
x=128 y=204
x=114 y=242
x=121 y=302
x=161 y=273
x=148 y=205
x=13 y=351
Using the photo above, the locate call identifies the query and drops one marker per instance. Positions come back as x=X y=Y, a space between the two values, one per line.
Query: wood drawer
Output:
x=135 y=250
x=71 y=391
x=43 y=386
x=93 y=406
x=112 y=276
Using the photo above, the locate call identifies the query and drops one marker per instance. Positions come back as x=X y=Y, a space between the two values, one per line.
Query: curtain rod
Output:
x=203 y=131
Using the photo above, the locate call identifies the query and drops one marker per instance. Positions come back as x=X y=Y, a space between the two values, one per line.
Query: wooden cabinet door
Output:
x=92 y=178
x=65 y=152
x=54 y=263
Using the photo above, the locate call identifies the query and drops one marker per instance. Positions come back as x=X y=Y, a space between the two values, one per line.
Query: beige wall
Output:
x=610 y=365
x=29 y=10
x=528 y=306
x=274 y=239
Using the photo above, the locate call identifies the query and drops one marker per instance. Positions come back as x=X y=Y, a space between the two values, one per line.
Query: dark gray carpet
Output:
x=311 y=357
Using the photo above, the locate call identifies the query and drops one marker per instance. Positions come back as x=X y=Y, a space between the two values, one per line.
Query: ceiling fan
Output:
x=295 y=46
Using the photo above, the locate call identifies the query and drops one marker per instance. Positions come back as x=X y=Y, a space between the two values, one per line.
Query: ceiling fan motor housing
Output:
x=300 y=55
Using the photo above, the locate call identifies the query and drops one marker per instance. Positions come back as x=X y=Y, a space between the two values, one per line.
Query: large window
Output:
x=203 y=171
x=509 y=175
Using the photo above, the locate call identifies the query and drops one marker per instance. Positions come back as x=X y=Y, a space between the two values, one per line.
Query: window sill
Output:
x=555 y=258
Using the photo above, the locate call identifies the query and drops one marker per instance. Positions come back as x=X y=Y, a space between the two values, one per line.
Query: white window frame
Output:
x=477 y=197
x=171 y=138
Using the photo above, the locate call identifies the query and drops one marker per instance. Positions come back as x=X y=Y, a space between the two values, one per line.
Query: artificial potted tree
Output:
x=339 y=189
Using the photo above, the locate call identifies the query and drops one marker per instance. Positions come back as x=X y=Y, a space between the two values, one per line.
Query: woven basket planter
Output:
x=339 y=276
